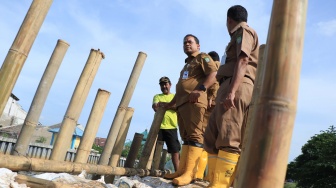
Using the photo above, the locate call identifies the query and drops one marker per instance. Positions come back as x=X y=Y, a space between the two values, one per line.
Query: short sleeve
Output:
x=156 y=99
x=245 y=42
x=208 y=65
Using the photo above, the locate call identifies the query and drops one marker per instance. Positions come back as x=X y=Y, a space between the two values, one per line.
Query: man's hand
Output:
x=229 y=101
x=194 y=95
x=210 y=102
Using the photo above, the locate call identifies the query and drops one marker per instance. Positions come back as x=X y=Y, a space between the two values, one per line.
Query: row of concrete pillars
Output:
x=271 y=119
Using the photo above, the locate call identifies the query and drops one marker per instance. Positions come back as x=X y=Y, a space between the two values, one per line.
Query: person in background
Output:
x=168 y=128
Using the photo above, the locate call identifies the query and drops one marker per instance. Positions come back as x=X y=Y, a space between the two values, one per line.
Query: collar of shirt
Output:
x=237 y=27
x=191 y=57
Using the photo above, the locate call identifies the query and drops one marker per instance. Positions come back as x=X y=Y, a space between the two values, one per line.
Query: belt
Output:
x=227 y=77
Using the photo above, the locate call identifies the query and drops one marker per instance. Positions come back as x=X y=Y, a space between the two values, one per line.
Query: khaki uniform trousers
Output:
x=226 y=126
x=190 y=118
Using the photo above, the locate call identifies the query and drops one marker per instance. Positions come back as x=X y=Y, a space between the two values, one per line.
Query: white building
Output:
x=13 y=113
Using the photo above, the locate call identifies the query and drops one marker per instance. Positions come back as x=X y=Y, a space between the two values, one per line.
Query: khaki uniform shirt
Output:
x=192 y=76
x=243 y=40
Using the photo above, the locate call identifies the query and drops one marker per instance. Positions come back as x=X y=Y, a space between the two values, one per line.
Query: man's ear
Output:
x=198 y=46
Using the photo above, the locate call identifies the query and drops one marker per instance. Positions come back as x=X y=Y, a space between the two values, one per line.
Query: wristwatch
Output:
x=202 y=88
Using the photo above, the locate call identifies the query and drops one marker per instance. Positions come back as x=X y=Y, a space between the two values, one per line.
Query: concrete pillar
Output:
x=272 y=129
x=126 y=98
x=120 y=141
x=40 y=97
x=157 y=155
x=92 y=126
x=75 y=106
x=134 y=150
x=163 y=159
x=151 y=138
x=20 y=48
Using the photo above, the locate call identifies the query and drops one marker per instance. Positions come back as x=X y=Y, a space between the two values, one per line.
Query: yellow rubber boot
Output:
x=201 y=165
x=212 y=159
x=180 y=169
x=225 y=168
x=194 y=154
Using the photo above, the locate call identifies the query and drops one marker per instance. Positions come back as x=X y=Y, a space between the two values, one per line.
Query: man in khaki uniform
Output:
x=211 y=94
x=198 y=74
x=223 y=135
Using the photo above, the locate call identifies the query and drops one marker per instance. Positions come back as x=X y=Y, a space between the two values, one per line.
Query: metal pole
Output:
x=40 y=97
x=126 y=98
x=120 y=141
x=272 y=129
x=133 y=152
x=75 y=106
x=20 y=48
x=151 y=138
x=92 y=126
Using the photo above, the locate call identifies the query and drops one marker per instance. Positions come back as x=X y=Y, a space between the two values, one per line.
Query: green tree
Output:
x=316 y=166
x=97 y=148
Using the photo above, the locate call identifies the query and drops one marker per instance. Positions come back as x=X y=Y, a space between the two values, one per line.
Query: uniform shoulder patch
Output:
x=239 y=39
x=207 y=59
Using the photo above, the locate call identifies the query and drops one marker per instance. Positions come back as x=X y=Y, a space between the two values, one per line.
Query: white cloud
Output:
x=327 y=28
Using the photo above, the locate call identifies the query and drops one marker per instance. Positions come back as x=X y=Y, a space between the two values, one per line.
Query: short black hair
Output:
x=214 y=55
x=191 y=35
x=238 y=13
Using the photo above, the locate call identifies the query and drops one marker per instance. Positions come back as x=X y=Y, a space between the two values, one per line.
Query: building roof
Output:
x=78 y=131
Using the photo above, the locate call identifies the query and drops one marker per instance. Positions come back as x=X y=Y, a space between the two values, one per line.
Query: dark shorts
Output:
x=169 y=136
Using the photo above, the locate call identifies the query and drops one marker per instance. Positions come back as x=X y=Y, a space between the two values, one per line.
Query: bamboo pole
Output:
x=92 y=126
x=272 y=128
x=126 y=98
x=20 y=48
x=157 y=155
x=40 y=97
x=38 y=182
x=76 y=105
x=151 y=156
x=18 y=163
x=252 y=112
x=120 y=141
x=134 y=150
x=151 y=138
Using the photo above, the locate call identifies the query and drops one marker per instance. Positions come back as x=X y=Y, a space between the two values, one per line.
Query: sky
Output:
x=123 y=28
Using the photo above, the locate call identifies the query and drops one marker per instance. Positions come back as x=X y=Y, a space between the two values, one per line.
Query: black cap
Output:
x=164 y=80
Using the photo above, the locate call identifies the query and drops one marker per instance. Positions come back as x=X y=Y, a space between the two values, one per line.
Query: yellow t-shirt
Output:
x=170 y=118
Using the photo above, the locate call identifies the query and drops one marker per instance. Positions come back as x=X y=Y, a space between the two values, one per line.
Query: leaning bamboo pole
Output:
x=151 y=139
x=272 y=129
x=120 y=141
x=118 y=118
x=119 y=144
x=40 y=97
x=92 y=126
x=18 y=163
x=76 y=105
x=255 y=97
x=20 y=48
